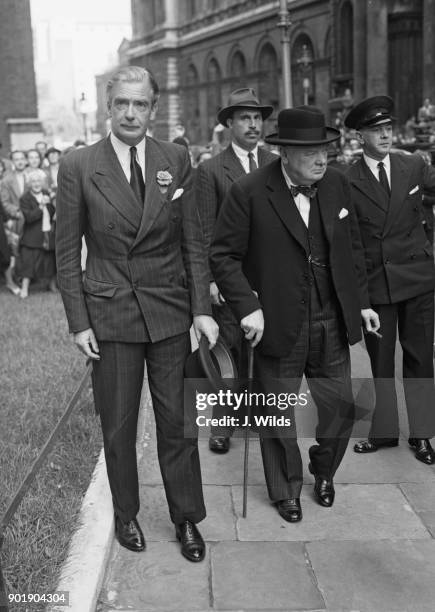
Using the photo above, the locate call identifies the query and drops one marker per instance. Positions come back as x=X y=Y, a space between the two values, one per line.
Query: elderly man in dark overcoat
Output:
x=287 y=258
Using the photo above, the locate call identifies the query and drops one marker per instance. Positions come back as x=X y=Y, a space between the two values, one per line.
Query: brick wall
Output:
x=17 y=77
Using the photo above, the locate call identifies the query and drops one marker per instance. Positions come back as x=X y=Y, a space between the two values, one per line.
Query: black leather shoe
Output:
x=290 y=509
x=129 y=534
x=219 y=444
x=192 y=544
x=368 y=446
x=423 y=450
x=324 y=490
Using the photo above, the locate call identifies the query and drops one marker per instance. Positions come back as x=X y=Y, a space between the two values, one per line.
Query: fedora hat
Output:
x=243 y=98
x=370 y=112
x=216 y=364
x=304 y=126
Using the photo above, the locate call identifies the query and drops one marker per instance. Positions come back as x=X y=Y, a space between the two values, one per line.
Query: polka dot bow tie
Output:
x=307 y=190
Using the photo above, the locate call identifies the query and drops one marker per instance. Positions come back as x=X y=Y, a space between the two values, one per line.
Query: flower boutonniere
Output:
x=164 y=179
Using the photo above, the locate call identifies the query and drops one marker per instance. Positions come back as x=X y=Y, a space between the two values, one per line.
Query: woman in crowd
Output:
x=37 y=242
x=53 y=156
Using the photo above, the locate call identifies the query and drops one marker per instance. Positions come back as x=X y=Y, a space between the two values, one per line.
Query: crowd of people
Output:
x=28 y=186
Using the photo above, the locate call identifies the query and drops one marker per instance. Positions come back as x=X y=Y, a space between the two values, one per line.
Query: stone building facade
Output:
x=341 y=50
x=19 y=125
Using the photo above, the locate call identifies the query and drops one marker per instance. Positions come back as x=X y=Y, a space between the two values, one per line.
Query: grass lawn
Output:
x=39 y=370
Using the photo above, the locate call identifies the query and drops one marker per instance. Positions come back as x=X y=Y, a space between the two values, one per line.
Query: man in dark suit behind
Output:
x=387 y=189
x=287 y=258
x=243 y=116
x=131 y=197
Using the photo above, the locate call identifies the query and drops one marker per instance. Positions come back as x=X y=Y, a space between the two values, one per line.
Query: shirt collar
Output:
x=286 y=176
x=122 y=149
x=243 y=152
x=373 y=163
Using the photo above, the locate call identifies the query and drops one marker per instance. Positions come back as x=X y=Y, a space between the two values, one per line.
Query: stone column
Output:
x=377 y=48
x=429 y=50
x=360 y=45
x=174 y=111
x=173 y=98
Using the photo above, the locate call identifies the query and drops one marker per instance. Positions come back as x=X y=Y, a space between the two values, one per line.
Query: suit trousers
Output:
x=117 y=382
x=321 y=353
x=413 y=320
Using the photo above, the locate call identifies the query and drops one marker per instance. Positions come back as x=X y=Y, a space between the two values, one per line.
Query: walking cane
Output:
x=247 y=428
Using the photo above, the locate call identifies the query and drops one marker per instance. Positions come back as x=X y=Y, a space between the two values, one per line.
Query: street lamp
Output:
x=84 y=111
x=305 y=61
x=285 y=23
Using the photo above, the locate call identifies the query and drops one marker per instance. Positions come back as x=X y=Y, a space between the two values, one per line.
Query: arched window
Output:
x=345 y=51
x=268 y=81
x=214 y=96
x=238 y=68
x=303 y=79
x=191 y=109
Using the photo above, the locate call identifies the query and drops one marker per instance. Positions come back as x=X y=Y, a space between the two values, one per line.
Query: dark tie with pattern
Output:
x=307 y=190
x=252 y=165
x=136 y=179
x=383 y=179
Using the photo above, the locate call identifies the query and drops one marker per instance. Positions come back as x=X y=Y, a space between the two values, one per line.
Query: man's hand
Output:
x=253 y=326
x=370 y=321
x=216 y=297
x=87 y=343
x=207 y=326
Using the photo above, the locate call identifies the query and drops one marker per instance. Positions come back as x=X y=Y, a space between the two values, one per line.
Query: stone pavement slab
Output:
x=390 y=465
x=375 y=576
x=360 y=512
x=158 y=580
x=421 y=497
x=154 y=516
x=261 y=576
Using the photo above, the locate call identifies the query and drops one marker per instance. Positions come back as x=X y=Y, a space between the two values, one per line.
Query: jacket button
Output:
x=302 y=301
x=110 y=226
x=387 y=261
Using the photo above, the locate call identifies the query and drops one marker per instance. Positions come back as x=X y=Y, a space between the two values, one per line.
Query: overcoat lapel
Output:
x=154 y=198
x=112 y=183
x=283 y=203
x=232 y=165
x=368 y=185
x=399 y=189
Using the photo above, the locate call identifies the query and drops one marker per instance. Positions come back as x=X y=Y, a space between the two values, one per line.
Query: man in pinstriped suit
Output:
x=244 y=116
x=131 y=197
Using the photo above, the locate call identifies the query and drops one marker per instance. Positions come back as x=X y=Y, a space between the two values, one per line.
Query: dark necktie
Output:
x=307 y=190
x=136 y=178
x=252 y=165
x=383 y=179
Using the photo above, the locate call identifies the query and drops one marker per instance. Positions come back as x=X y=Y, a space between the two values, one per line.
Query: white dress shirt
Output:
x=242 y=154
x=122 y=151
x=373 y=165
x=302 y=201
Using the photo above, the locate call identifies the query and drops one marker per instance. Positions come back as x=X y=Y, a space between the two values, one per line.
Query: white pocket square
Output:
x=177 y=193
x=416 y=188
x=343 y=213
